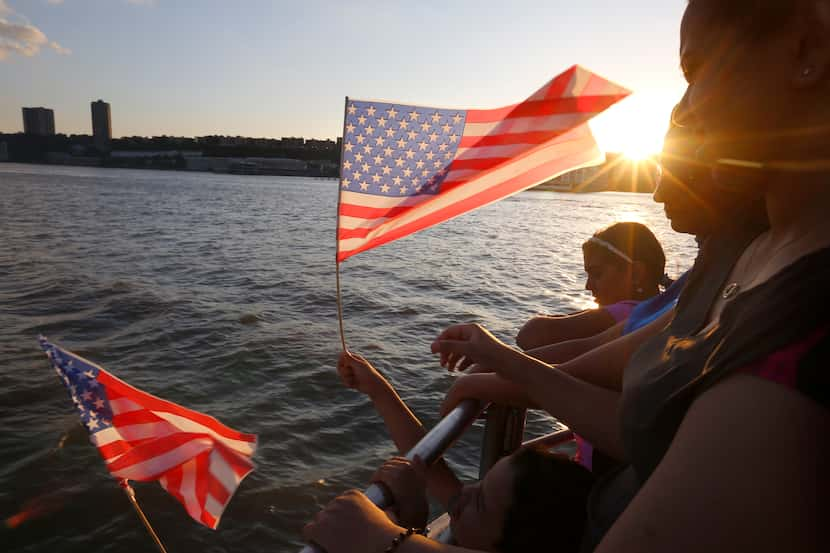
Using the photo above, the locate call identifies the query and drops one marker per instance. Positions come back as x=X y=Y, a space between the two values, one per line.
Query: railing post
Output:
x=503 y=433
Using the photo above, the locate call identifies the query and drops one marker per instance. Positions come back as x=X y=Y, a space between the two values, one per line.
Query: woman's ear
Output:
x=813 y=60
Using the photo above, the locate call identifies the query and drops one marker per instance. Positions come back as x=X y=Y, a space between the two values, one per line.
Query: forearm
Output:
x=604 y=366
x=406 y=431
x=587 y=409
x=566 y=351
x=421 y=544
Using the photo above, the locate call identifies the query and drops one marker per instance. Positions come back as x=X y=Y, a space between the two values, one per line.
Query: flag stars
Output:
x=456 y=119
x=384 y=188
x=437 y=163
x=390 y=133
x=422 y=145
x=410 y=154
x=364 y=185
x=436 y=117
x=348 y=146
x=346 y=183
x=387 y=151
x=419 y=164
x=361 y=120
x=370 y=130
x=401 y=143
x=386 y=170
x=89 y=374
x=352 y=109
x=413 y=115
x=379 y=141
x=99 y=403
x=375 y=179
x=430 y=155
x=360 y=139
x=433 y=137
x=367 y=148
x=446 y=128
x=399 y=162
x=370 y=111
x=378 y=160
x=425 y=126
x=397 y=180
x=87 y=396
x=407 y=172
x=349 y=128
x=365 y=167
x=412 y=135
x=347 y=164
x=358 y=156
x=404 y=189
x=392 y=113
x=381 y=122
x=403 y=123
x=442 y=146
x=356 y=175
x=453 y=138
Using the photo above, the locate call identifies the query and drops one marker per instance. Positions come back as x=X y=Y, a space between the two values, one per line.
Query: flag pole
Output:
x=337 y=239
x=131 y=495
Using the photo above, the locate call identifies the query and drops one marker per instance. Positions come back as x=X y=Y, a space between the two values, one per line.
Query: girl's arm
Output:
x=546 y=329
x=747 y=471
x=403 y=426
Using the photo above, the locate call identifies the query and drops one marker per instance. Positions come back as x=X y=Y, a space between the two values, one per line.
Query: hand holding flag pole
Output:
x=405 y=168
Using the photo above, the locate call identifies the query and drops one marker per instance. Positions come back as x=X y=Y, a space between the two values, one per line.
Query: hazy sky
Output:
x=282 y=68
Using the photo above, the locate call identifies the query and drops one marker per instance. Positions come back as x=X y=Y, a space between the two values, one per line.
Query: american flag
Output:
x=141 y=437
x=406 y=168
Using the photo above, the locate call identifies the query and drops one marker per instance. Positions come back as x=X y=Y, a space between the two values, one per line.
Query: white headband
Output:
x=611 y=248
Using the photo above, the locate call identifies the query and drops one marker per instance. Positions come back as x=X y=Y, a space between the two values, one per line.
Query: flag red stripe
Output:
x=539 y=108
x=149 y=401
x=351 y=210
x=153 y=449
x=240 y=465
x=139 y=416
x=218 y=491
x=515 y=184
x=202 y=476
x=478 y=163
x=531 y=138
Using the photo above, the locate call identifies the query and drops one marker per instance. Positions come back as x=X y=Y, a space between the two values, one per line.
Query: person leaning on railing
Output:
x=625 y=264
x=724 y=423
x=506 y=511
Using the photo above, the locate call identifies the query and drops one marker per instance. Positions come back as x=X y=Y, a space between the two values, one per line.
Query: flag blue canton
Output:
x=398 y=150
x=81 y=380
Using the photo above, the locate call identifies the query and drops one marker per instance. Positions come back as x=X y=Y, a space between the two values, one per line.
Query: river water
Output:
x=218 y=292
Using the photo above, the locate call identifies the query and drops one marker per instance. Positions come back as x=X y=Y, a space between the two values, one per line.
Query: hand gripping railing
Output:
x=429 y=449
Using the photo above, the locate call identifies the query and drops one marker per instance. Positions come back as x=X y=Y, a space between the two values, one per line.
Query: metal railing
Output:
x=430 y=448
x=502 y=436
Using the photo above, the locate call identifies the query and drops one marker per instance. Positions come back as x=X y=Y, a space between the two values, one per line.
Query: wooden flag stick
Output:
x=337 y=239
x=131 y=494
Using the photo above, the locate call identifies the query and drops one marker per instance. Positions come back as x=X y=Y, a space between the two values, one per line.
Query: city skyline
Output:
x=272 y=69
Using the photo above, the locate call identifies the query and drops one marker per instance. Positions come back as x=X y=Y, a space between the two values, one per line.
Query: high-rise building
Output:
x=101 y=125
x=38 y=121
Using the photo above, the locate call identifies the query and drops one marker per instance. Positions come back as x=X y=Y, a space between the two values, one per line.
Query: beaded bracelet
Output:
x=400 y=538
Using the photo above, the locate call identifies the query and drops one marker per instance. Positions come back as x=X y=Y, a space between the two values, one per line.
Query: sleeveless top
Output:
x=785 y=318
x=651 y=309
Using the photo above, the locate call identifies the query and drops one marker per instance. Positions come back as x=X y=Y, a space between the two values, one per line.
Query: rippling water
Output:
x=218 y=292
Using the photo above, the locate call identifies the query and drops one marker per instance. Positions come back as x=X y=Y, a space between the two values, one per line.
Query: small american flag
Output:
x=141 y=437
x=406 y=168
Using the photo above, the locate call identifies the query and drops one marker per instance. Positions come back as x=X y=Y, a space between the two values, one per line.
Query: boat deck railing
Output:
x=503 y=434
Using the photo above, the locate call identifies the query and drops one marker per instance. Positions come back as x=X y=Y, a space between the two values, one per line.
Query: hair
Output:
x=550 y=493
x=757 y=19
x=637 y=242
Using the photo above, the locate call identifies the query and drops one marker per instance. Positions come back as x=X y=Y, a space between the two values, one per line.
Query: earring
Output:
x=806 y=72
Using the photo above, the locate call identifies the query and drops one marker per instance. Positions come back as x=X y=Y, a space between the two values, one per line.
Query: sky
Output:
x=282 y=68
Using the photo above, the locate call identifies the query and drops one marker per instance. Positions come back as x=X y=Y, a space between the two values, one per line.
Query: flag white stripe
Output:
x=187 y=425
x=222 y=471
x=350 y=223
x=123 y=405
x=165 y=461
x=188 y=489
x=555 y=122
x=213 y=507
x=570 y=148
x=132 y=432
x=483 y=152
